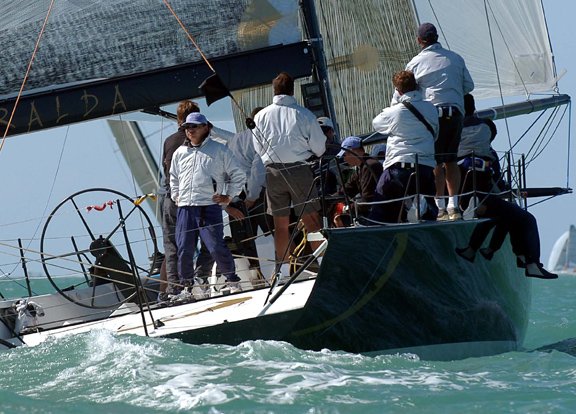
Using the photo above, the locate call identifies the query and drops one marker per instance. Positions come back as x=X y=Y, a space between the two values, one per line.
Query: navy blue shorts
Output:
x=450 y=130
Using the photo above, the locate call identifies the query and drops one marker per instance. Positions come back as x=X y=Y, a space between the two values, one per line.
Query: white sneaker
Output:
x=442 y=215
x=231 y=287
x=185 y=296
x=201 y=288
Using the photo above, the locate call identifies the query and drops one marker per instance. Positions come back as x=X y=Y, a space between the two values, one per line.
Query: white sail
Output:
x=563 y=256
x=505 y=43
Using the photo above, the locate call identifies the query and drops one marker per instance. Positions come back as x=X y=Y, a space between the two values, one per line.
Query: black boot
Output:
x=537 y=270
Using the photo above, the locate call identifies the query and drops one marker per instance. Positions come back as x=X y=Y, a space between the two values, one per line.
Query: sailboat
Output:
x=563 y=256
x=389 y=288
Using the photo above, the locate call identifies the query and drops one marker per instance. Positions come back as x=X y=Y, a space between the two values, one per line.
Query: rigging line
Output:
x=543 y=145
x=569 y=145
x=508 y=50
x=190 y=37
x=244 y=114
x=535 y=147
x=50 y=193
x=546 y=131
x=555 y=73
x=438 y=22
x=128 y=160
x=17 y=101
x=124 y=125
x=498 y=77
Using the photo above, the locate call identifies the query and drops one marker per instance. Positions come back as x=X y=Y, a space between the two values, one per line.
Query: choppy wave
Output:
x=99 y=372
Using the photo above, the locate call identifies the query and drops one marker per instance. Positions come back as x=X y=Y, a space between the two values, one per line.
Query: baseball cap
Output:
x=195 y=118
x=324 y=121
x=427 y=31
x=350 y=143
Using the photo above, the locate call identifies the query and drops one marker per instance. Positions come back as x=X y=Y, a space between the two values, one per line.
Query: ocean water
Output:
x=102 y=373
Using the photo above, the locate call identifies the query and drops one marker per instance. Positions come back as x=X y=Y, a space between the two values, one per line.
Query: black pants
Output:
x=396 y=182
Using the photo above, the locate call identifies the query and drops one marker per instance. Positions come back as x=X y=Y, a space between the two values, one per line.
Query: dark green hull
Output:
x=405 y=287
x=383 y=289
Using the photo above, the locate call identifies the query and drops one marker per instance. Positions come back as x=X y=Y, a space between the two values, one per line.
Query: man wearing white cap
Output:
x=196 y=168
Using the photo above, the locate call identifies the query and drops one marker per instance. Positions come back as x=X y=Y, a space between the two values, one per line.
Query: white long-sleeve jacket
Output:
x=242 y=146
x=407 y=135
x=287 y=132
x=194 y=170
x=442 y=76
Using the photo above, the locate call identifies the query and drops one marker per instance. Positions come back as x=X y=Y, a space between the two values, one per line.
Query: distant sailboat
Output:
x=563 y=256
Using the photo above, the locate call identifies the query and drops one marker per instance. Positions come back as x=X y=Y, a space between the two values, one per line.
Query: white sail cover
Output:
x=563 y=255
x=505 y=43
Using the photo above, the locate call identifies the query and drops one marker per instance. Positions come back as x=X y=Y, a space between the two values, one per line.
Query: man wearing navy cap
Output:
x=196 y=167
x=364 y=179
x=444 y=80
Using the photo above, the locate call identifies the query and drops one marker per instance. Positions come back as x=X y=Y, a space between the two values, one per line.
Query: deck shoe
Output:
x=466 y=253
x=442 y=214
x=185 y=296
x=163 y=297
x=537 y=270
x=231 y=287
x=487 y=253
x=202 y=290
x=454 y=213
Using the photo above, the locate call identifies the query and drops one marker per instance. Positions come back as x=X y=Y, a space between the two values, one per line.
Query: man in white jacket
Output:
x=287 y=135
x=444 y=80
x=203 y=176
x=410 y=145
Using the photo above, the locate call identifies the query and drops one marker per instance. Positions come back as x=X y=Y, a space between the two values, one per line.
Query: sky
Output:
x=39 y=170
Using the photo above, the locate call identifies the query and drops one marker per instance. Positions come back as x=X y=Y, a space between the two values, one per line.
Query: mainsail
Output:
x=103 y=57
x=505 y=45
x=563 y=256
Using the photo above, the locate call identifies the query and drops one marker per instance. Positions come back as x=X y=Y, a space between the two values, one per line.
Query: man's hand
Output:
x=234 y=213
x=221 y=199
x=249 y=203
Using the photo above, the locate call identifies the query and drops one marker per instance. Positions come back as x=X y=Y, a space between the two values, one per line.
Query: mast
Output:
x=320 y=68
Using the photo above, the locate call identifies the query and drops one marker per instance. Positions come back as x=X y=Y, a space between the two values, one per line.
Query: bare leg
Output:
x=440 y=180
x=312 y=223
x=281 y=238
x=452 y=178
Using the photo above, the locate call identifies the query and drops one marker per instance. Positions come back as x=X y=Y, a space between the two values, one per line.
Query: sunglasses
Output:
x=194 y=126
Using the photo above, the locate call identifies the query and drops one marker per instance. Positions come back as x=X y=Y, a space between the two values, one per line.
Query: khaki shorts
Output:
x=288 y=185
